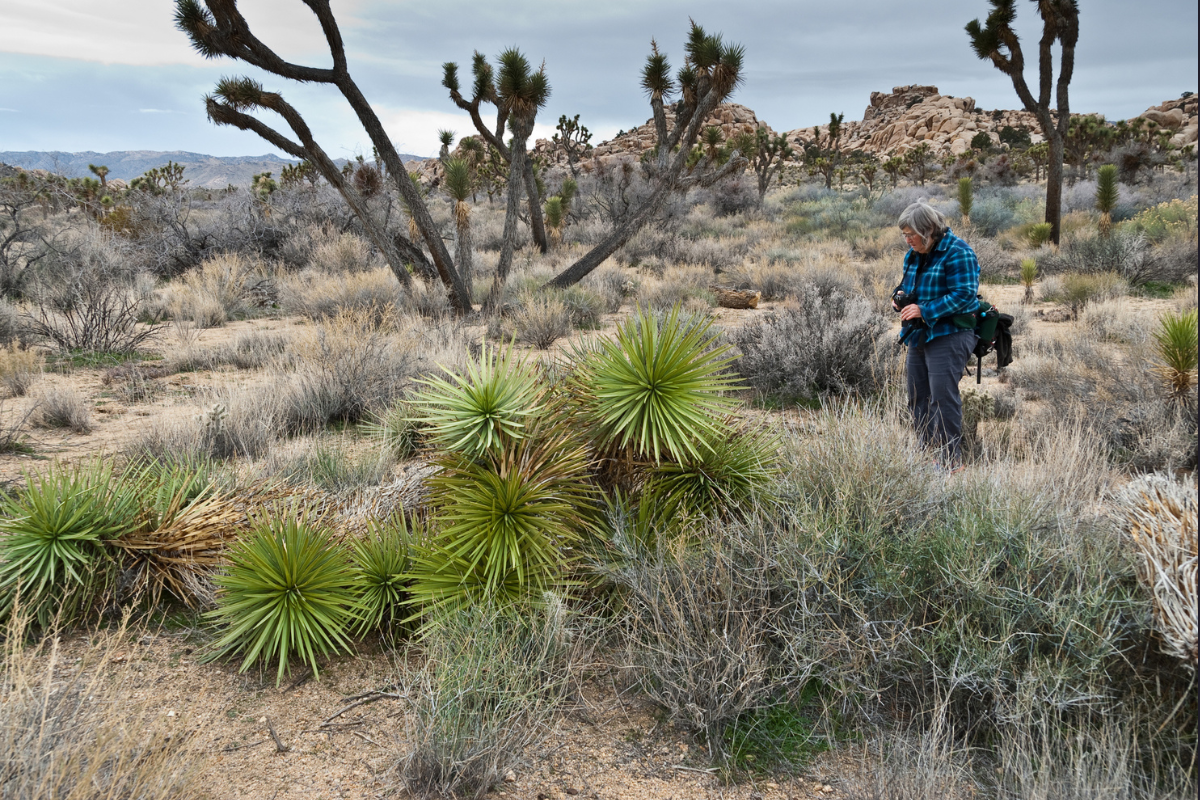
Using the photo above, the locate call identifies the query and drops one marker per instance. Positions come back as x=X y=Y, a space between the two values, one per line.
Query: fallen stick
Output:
x=280 y=747
x=369 y=698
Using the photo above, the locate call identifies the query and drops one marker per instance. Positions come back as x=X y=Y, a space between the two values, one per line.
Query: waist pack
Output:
x=993 y=329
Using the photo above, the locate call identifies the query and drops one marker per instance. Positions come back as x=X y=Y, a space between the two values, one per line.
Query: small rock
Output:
x=262 y=720
x=571 y=790
x=827 y=789
x=510 y=777
x=171 y=713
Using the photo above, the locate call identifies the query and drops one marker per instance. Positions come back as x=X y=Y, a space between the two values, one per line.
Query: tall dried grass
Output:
x=70 y=730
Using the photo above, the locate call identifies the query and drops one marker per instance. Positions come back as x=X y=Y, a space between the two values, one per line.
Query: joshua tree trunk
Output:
x=537 y=225
x=504 y=265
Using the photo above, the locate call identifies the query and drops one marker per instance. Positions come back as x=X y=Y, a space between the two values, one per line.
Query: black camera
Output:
x=902 y=298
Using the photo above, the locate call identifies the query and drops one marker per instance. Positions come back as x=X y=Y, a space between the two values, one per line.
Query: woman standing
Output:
x=937 y=300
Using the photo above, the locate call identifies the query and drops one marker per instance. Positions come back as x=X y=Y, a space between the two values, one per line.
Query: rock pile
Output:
x=1178 y=116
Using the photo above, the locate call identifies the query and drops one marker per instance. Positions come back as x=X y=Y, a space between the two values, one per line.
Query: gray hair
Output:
x=924 y=220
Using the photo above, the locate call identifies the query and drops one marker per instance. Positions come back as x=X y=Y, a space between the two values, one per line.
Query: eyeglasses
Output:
x=912 y=237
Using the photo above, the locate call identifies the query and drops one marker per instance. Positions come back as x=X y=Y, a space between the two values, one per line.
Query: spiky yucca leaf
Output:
x=735 y=470
x=505 y=524
x=53 y=533
x=477 y=412
x=288 y=591
x=398 y=431
x=657 y=387
x=1176 y=341
x=381 y=563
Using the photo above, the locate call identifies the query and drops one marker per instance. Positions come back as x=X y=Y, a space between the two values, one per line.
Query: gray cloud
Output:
x=803 y=61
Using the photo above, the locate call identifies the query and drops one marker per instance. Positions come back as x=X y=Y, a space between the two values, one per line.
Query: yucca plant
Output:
x=1029 y=273
x=381 y=564
x=506 y=524
x=459 y=186
x=1106 y=196
x=288 y=592
x=1176 y=343
x=657 y=387
x=1039 y=234
x=53 y=533
x=966 y=198
x=734 y=470
x=180 y=535
x=555 y=217
x=478 y=412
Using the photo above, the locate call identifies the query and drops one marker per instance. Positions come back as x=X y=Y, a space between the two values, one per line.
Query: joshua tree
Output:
x=825 y=159
x=867 y=173
x=918 y=161
x=966 y=197
x=216 y=28
x=458 y=185
x=1106 y=197
x=575 y=140
x=1029 y=273
x=100 y=172
x=516 y=80
x=766 y=156
x=894 y=166
x=996 y=40
x=447 y=139
x=712 y=70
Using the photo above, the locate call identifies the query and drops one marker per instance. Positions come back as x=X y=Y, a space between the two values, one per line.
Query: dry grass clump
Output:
x=214 y=292
x=10 y=323
x=1160 y=517
x=687 y=287
x=251 y=350
x=490 y=686
x=342 y=254
x=1114 y=321
x=62 y=407
x=539 y=320
x=240 y=422
x=320 y=295
x=617 y=286
x=346 y=367
x=70 y=730
x=19 y=369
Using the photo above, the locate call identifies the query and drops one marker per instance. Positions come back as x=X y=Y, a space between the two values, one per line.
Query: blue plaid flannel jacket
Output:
x=947 y=285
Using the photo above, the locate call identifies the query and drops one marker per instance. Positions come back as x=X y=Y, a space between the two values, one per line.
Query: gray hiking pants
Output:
x=934 y=370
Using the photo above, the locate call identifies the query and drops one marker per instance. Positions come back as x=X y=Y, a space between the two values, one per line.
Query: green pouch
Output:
x=966 y=322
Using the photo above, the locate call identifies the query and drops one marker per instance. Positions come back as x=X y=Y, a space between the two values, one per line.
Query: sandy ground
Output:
x=605 y=744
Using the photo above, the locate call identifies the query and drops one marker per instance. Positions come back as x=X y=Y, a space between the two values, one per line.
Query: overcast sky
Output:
x=81 y=75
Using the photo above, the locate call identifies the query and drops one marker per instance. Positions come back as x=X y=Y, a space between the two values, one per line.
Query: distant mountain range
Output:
x=203 y=171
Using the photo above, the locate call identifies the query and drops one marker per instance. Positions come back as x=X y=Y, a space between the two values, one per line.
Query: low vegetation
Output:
x=726 y=507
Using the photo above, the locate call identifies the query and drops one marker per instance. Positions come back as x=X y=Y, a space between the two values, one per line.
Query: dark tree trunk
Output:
x=1054 y=181
x=537 y=224
x=504 y=265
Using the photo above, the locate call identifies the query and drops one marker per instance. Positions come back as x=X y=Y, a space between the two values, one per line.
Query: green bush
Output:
x=288 y=592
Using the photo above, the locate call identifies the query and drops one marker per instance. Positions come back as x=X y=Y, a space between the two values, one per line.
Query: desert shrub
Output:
x=323 y=295
x=1113 y=321
x=994 y=261
x=1077 y=290
x=346 y=368
x=214 y=292
x=541 y=320
x=288 y=592
x=10 y=323
x=237 y=423
x=251 y=350
x=613 y=284
x=678 y=286
x=827 y=343
x=53 y=533
x=19 y=369
x=1122 y=394
x=491 y=685
x=585 y=306
x=342 y=255
x=1125 y=252
x=883 y=244
x=69 y=727
x=398 y=431
x=776 y=278
x=716 y=253
x=734 y=196
x=699 y=624
x=326 y=464
x=94 y=314
x=992 y=215
x=62 y=407
x=1172 y=219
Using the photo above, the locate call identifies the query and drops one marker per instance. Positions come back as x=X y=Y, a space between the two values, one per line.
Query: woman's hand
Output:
x=910 y=311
